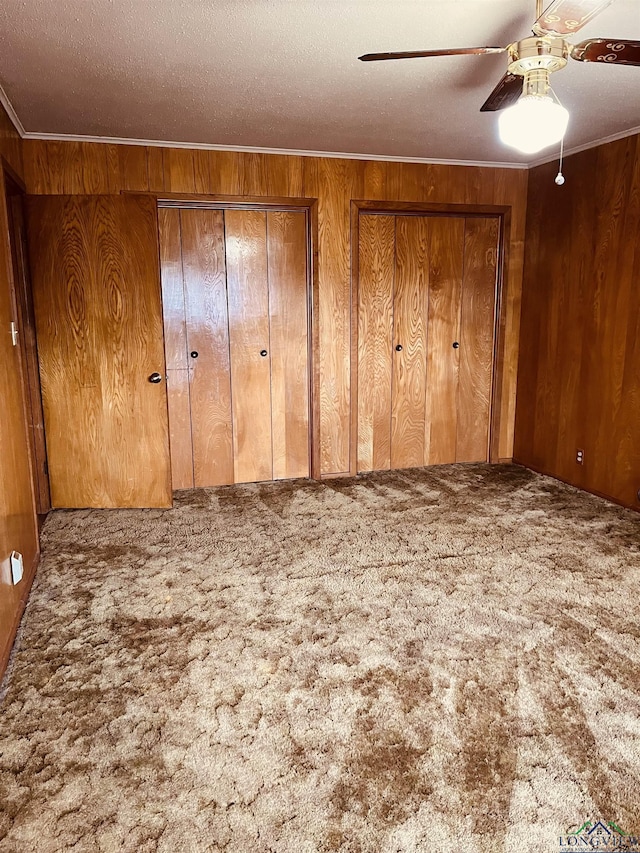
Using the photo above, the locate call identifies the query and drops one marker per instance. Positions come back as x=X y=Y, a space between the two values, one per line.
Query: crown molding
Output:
x=250 y=149
x=340 y=155
x=632 y=131
x=13 y=115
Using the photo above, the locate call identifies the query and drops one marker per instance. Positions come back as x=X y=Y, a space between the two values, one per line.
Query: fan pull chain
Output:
x=559 y=179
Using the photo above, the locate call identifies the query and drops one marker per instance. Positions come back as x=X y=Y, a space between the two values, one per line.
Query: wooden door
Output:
x=94 y=262
x=207 y=327
x=249 y=344
x=427 y=297
x=445 y=271
x=235 y=314
x=410 y=312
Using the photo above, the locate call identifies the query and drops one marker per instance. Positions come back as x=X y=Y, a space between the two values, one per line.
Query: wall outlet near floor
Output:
x=580 y=456
x=17 y=566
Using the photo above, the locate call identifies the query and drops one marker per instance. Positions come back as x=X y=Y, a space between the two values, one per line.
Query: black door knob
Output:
x=398 y=347
x=455 y=344
x=263 y=353
x=194 y=353
x=155 y=378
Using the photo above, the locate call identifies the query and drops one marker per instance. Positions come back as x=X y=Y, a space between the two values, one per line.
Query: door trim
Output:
x=23 y=297
x=188 y=201
x=503 y=214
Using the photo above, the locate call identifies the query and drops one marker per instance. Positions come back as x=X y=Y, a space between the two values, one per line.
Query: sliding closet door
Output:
x=94 y=262
x=427 y=293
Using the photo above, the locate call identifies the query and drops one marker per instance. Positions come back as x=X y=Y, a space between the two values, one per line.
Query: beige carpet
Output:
x=434 y=660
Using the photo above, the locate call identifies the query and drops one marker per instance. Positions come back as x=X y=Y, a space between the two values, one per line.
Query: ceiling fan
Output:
x=531 y=62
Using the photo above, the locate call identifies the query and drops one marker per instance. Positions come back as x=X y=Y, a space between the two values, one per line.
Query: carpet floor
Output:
x=442 y=659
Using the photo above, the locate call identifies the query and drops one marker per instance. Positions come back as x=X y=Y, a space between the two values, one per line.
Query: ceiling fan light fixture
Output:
x=533 y=123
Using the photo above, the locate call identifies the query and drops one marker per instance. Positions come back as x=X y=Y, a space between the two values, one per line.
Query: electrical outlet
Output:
x=16 y=567
x=580 y=457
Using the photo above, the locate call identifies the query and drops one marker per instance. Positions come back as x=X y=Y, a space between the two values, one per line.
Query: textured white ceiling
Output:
x=284 y=73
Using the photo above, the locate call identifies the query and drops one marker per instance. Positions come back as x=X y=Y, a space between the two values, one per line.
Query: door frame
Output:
x=190 y=201
x=396 y=208
x=15 y=192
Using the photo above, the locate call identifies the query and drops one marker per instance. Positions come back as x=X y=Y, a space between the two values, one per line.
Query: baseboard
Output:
x=595 y=492
x=5 y=654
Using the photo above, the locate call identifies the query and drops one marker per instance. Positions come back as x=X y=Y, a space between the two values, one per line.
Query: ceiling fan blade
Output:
x=417 y=54
x=607 y=50
x=563 y=17
x=505 y=94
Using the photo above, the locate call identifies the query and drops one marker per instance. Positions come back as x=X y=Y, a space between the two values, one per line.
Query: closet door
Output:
x=175 y=347
x=427 y=294
x=207 y=350
x=249 y=344
x=445 y=269
x=99 y=327
x=236 y=336
x=410 y=314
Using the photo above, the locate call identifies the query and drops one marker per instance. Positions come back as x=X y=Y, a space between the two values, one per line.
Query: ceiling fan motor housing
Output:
x=546 y=53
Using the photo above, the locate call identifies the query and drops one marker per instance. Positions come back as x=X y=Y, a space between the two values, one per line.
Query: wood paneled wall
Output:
x=18 y=523
x=76 y=167
x=579 y=374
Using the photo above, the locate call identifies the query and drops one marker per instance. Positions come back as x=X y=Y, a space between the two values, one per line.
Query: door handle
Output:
x=399 y=348
x=455 y=344
x=194 y=353
x=263 y=353
x=155 y=378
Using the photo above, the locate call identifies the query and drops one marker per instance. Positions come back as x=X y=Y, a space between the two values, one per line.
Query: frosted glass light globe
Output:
x=533 y=123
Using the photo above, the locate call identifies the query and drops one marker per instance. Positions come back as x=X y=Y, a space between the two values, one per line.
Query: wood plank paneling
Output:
x=225 y=169
x=18 y=526
x=510 y=189
x=248 y=299
x=410 y=313
x=99 y=323
x=127 y=168
x=288 y=333
x=334 y=183
x=445 y=258
x=205 y=286
x=179 y=170
x=155 y=168
x=579 y=371
x=477 y=324
x=375 y=341
x=11 y=146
